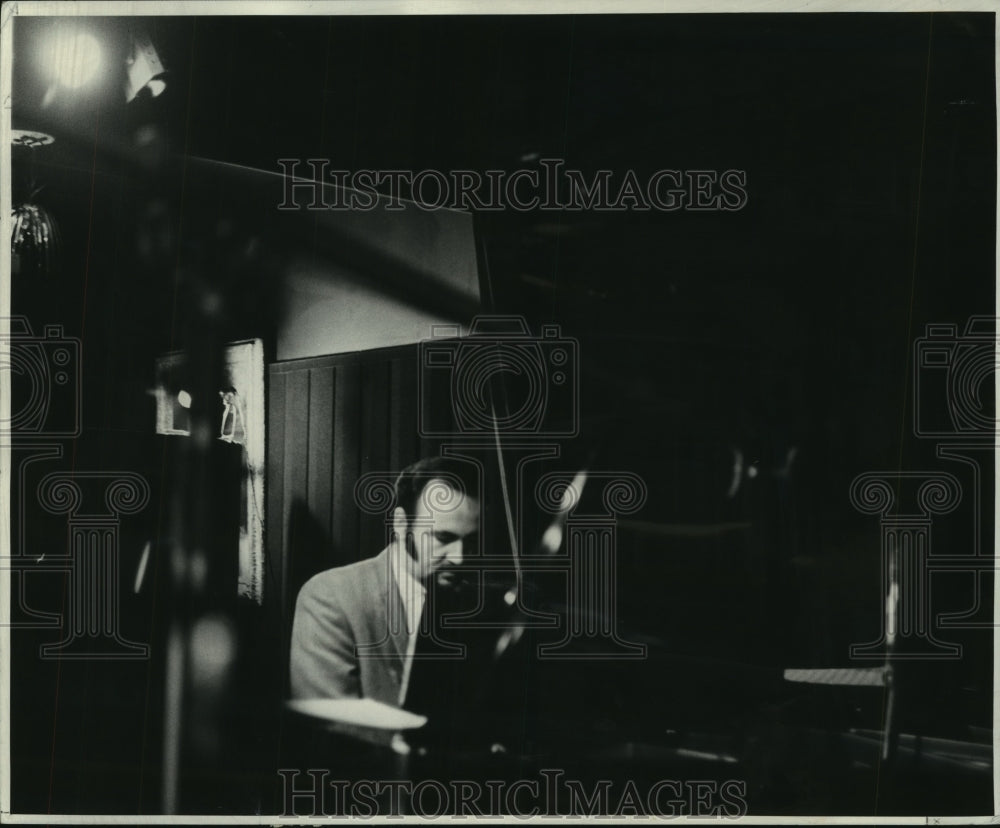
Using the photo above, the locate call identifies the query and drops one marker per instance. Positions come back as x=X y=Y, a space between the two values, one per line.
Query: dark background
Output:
x=868 y=143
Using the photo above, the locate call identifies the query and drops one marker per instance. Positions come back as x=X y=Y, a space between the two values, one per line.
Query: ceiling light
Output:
x=72 y=57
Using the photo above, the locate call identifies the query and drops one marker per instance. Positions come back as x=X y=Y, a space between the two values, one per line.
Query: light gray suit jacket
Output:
x=348 y=636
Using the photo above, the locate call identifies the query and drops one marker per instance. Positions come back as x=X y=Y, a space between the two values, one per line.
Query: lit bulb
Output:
x=73 y=57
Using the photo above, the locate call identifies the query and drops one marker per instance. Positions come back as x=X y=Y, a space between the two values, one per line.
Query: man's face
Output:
x=443 y=531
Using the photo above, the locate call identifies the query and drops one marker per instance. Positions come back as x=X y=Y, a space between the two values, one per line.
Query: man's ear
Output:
x=399 y=523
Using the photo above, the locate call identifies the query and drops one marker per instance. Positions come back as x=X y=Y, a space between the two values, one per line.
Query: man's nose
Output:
x=454 y=556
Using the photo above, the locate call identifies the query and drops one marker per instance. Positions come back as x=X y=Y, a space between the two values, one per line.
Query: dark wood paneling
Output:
x=330 y=420
x=396 y=436
x=347 y=451
x=274 y=518
x=321 y=406
x=375 y=393
x=295 y=479
x=404 y=442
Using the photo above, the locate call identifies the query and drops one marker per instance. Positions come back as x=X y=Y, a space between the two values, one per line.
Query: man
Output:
x=355 y=628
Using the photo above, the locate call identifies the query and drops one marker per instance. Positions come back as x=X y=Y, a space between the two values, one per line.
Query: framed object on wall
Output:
x=240 y=418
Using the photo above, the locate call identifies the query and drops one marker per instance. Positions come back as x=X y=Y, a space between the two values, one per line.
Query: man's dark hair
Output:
x=461 y=475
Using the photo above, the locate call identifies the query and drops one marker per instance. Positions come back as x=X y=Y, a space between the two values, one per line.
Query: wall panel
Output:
x=330 y=420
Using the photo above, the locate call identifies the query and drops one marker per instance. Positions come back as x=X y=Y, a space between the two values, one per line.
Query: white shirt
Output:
x=412 y=593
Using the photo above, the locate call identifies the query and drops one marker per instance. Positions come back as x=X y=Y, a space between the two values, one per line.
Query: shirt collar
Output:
x=411 y=590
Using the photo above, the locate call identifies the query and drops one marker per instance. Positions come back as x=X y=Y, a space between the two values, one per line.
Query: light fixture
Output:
x=143 y=68
x=71 y=56
x=34 y=240
x=34 y=234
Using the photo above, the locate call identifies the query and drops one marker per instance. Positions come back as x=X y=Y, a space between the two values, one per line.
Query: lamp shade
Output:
x=143 y=68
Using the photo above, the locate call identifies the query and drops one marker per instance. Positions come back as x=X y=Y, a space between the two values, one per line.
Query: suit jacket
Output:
x=348 y=636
